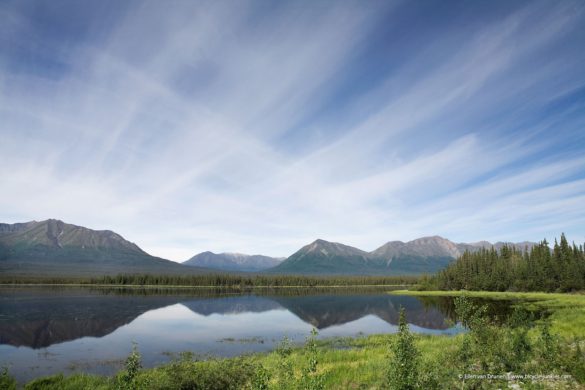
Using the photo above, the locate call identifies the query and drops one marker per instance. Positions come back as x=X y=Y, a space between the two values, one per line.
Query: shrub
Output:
x=482 y=337
x=261 y=378
x=6 y=381
x=213 y=374
x=285 y=366
x=310 y=379
x=403 y=372
x=576 y=363
x=46 y=383
x=127 y=379
x=549 y=349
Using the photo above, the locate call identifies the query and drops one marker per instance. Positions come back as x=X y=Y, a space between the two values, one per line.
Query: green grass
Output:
x=567 y=311
x=362 y=362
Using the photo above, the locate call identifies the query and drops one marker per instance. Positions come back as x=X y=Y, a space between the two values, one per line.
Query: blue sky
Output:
x=259 y=126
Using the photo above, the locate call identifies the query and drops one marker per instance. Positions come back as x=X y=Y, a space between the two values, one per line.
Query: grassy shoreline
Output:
x=358 y=362
x=362 y=362
x=488 y=294
x=567 y=310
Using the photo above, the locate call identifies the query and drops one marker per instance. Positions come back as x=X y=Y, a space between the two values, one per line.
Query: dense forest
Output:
x=223 y=280
x=538 y=269
x=226 y=280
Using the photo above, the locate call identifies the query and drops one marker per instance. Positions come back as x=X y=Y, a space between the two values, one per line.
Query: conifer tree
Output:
x=537 y=269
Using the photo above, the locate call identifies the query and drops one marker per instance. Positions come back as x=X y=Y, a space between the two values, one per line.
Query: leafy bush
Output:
x=576 y=363
x=6 y=381
x=127 y=379
x=214 y=374
x=46 y=383
x=548 y=348
x=403 y=372
x=261 y=379
x=310 y=379
x=285 y=371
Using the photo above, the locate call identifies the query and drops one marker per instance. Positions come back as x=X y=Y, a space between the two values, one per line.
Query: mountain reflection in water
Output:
x=49 y=330
x=38 y=318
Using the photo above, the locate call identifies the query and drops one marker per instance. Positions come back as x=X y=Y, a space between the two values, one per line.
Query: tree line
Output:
x=220 y=280
x=539 y=268
x=227 y=280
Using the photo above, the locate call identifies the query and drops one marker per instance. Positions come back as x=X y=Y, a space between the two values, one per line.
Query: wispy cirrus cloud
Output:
x=258 y=127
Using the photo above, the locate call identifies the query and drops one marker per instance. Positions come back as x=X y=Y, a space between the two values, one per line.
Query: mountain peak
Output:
x=329 y=248
x=424 y=246
x=56 y=247
x=323 y=256
x=430 y=238
x=232 y=261
x=55 y=233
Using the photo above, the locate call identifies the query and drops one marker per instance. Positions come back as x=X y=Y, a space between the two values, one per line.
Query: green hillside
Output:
x=328 y=258
x=55 y=248
x=425 y=255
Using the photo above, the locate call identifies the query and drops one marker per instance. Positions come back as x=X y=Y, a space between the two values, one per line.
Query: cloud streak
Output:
x=257 y=127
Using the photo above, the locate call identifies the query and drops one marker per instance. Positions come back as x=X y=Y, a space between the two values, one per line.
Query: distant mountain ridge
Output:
x=439 y=246
x=324 y=257
x=423 y=255
x=233 y=261
x=56 y=248
x=54 y=233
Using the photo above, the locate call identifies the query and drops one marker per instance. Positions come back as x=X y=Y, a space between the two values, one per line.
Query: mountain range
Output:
x=423 y=255
x=55 y=248
x=234 y=261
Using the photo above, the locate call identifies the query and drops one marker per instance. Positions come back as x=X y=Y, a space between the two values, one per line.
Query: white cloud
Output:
x=173 y=130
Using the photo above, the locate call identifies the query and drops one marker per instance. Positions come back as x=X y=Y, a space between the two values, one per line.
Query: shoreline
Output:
x=343 y=362
x=193 y=287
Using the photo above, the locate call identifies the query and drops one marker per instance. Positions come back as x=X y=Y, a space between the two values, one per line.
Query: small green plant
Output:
x=46 y=383
x=6 y=381
x=549 y=349
x=520 y=318
x=471 y=316
x=209 y=374
x=481 y=334
x=284 y=349
x=465 y=353
x=261 y=378
x=310 y=379
x=285 y=366
x=403 y=373
x=520 y=348
x=516 y=338
x=127 y=379
x=576 y=363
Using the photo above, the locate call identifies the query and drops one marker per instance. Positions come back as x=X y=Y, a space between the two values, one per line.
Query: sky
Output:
x=260 y=126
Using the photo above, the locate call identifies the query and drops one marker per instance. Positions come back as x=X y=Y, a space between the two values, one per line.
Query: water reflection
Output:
x=38 y=318
x=43 y=331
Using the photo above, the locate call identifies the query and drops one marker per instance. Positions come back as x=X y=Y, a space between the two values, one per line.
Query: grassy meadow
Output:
x=566 y=311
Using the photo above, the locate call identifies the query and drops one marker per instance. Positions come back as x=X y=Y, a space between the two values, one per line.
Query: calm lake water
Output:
x=48 y=330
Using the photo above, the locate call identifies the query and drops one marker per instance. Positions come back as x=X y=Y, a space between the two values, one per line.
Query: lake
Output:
x=49 y=330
